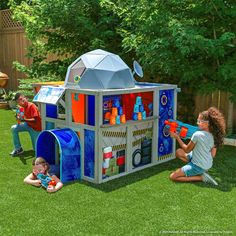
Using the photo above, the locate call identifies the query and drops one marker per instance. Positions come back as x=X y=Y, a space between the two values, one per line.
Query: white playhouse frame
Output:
x=153 y=122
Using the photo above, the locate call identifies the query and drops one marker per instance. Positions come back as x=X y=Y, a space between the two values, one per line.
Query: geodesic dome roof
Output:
x=99 y=69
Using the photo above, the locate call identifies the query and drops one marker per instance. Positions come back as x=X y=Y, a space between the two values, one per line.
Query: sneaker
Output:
x=208 y=179
x=17 y=152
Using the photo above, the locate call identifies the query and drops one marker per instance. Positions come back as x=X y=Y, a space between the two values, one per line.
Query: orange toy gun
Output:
x=185 y=131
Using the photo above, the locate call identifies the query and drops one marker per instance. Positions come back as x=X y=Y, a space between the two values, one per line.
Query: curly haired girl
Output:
x=199 y=152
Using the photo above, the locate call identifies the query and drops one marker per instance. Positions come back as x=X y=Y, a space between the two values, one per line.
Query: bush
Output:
x=9 y=96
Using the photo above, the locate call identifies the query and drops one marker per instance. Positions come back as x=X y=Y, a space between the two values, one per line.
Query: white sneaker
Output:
x=208 y=179
x=17 y=152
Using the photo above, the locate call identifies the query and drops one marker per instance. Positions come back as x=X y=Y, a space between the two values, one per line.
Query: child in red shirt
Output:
x=31 y=123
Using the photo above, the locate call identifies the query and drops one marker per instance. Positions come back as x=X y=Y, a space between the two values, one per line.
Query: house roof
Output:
x=99 y=69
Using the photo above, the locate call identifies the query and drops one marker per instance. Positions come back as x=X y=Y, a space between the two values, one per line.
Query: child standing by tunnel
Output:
x=201 y=149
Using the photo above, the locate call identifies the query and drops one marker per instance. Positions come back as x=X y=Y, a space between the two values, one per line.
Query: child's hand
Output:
x=37 y=183
x=51 y=189
x=173 y=135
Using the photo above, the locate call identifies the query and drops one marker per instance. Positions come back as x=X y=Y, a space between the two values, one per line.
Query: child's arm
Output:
x=186 y=147
x=29 y=119
x=58 y=186
x=32 y=180
x=213 y=151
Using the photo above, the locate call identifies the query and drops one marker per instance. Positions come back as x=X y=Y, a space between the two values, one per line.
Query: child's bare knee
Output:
x=179 y=152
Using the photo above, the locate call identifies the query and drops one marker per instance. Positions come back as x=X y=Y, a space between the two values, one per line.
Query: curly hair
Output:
x=216 y=124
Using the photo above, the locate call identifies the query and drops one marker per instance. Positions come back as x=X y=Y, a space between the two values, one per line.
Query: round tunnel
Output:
x=61 y=147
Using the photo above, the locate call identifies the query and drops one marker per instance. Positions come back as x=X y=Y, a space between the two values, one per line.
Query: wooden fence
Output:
x=13 y=47
x=221 y=101
x=13 y=44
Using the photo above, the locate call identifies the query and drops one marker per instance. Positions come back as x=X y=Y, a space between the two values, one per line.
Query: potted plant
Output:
x=9 y=98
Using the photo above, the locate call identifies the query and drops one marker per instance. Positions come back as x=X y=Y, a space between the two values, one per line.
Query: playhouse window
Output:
x=76 y=72
x=49 y=95
x=83 y=108
x=56 y=111
x=121 y=108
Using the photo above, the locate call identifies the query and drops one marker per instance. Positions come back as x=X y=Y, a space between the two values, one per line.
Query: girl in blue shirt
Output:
x=201 y=149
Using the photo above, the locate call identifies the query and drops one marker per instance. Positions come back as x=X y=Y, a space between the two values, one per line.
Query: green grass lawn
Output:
x=143 y=203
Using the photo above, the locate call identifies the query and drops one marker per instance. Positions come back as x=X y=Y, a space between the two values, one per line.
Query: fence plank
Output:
x=221 y=101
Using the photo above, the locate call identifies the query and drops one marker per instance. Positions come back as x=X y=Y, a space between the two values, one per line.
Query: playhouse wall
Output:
x=142 y=139
x=135 y=144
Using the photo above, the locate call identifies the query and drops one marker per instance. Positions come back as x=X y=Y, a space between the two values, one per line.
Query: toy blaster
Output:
x=19 y=114
x=46 y=180
x=185 y=131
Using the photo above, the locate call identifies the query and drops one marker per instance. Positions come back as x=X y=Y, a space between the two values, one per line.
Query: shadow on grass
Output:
x=134 y=177
x=223 y=171
x=26 y=155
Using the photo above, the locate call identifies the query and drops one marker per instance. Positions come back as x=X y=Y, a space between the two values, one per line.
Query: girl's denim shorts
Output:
x=191 y=169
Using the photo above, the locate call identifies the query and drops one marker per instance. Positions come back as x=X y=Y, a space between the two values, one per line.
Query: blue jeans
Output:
x=23 y=127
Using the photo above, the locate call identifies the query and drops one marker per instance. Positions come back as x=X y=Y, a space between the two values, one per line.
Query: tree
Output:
x=66 y=28
x=191 y=43
x=4 y=4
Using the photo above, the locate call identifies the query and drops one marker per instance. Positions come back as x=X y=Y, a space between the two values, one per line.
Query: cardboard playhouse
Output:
x=102 y=124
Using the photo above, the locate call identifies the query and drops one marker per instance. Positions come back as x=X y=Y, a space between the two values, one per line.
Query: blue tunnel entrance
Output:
x=61 y=147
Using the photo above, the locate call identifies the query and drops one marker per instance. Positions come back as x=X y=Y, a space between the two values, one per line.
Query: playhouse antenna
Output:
x=137 y=69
